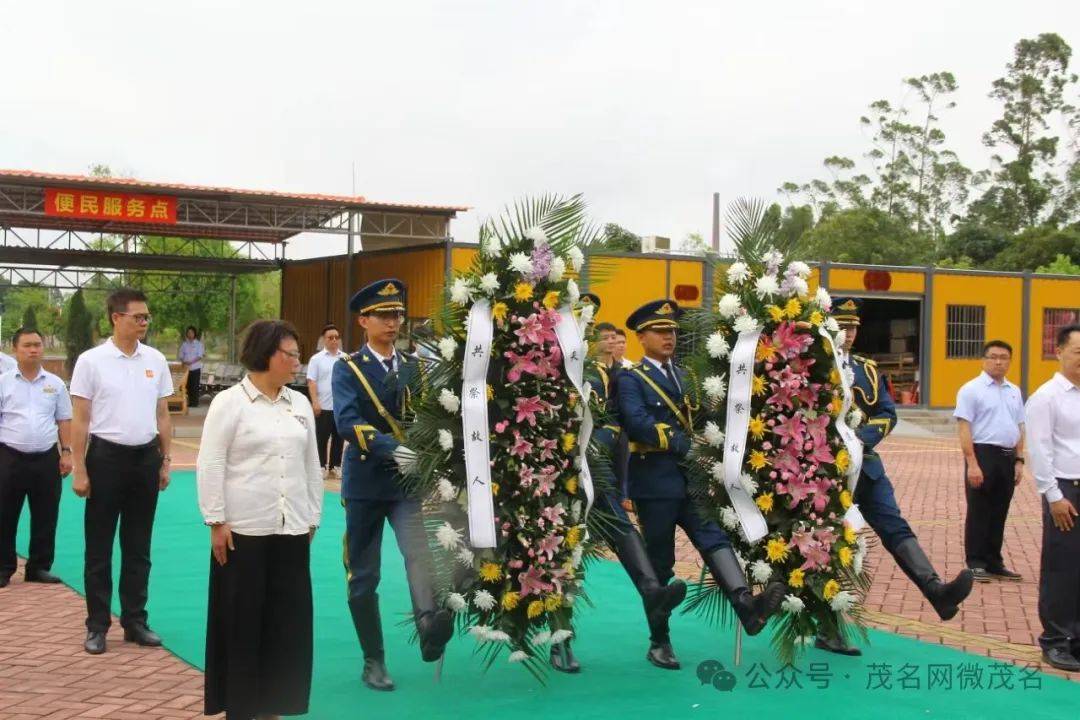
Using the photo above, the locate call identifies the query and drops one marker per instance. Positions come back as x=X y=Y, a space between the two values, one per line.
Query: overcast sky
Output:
x=646 y=107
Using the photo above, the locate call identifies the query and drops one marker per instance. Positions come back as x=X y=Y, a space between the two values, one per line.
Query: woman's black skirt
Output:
x=259 y=628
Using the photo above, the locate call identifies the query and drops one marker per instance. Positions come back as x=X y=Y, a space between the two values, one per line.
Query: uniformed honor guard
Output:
x=655 y=408
x=371 y=390
x=35 y=409
x=621 y=536
x=874 y=492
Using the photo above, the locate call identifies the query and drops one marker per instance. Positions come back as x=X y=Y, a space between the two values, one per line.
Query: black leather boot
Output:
x=659 y=600
x=42 y=576
x=562 y=658
x=368 y=624
x=434 y=626
x=835 y=643
x=753 y=611
x=945 y=597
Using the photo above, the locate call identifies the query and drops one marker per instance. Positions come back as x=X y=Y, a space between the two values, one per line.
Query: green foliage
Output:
x=1062 y=265
x=29 y=318
x=979 y=243
x=1038 y=247
x=695 y=243
x=618 y=239
x=78 y=335
x=866 y=235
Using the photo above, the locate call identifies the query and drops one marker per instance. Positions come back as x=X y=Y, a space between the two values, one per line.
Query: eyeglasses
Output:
x=388 y=318
x=141 y=318
x=294 y=354
x=998 y=358
x=333 y=337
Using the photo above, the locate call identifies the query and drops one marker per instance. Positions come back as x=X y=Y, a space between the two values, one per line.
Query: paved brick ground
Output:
x=45 y=674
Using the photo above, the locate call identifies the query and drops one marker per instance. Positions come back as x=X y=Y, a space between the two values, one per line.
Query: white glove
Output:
x=405 y=458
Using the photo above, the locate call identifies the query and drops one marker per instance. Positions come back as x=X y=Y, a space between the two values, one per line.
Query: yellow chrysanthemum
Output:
x=828 y=348
x=573 y=537
x=765 y=502
x=510 y=600
x=836 y=406
x=776 y=550
x=757 y=460
x=757 y=427
x=842 y=460
x=568 y=442
x=571 y=485
x=499 y=310
x=494 y=488
x=775 y=313
x=523 y=291
x=845 y=496
x=793 y=308
x=795 y=579
x=490 y=572
x=490 y=392
x=551 y=300
x=536 y=607
x=764 y=352
x=758 y=385
x=553 y=602
x=831 y=588
x=845 y=555
x=834 y=376
x=816 y=318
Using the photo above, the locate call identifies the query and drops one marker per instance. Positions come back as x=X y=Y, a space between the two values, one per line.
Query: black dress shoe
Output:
x=1061 y=659
x=839 y=646
x=562 y=658
x=375 y=675
x=95 y=642
x=42 y=576
x=142 y=635
x=663 y=656
x=981 y=575
x=4 y=581
x=1005 y=574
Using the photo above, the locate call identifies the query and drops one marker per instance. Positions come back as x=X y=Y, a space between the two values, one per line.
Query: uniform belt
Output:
x=31 y=455
x=1075 y=482
x=121 y=447
x=636 y=447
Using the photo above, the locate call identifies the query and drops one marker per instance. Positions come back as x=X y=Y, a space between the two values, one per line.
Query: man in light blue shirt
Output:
x=990 y=420
x=35 y=409
x=6 y=363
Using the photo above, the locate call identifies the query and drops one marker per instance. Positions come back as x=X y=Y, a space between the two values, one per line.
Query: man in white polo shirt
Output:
x=121 y=433
x=319 y=379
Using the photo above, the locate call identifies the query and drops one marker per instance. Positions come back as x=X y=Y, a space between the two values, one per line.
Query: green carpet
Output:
x=617 y=682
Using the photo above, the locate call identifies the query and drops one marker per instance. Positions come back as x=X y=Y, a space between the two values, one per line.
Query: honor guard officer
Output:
x=34 y=408
x=874 y=492
x=371 y=389
x=655 y=409
x=621 y=536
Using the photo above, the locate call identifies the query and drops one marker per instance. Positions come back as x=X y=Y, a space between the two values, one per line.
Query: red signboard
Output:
x=121 y=207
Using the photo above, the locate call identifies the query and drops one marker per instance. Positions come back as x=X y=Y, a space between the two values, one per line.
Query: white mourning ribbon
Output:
x=571 y=341
x=736 y=428
x=474 y=424
x=851 y=441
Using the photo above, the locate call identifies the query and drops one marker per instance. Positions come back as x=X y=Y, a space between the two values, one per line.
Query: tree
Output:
x=29 y=319
x=978 y=243
x=695 y=244
x=1037 y=247
x=866 y=235
x=1062 y=265
x=78 y=336
x=794 y=222
x=1021 y=189
x=619 y=239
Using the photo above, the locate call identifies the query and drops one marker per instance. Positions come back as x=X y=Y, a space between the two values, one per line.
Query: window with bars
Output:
x=1053 y=320
x=965 y=331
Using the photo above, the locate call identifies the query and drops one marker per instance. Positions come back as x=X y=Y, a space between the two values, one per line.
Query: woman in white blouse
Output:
x=261 y=493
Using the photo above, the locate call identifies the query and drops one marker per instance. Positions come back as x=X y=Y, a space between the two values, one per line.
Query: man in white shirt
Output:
x=6 y=363
x=121 y=433
x=990 y=421
x=319 y=375
x=1053 y=447
x=34 y=409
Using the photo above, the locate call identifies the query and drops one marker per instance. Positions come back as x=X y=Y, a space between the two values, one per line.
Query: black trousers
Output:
x=326 y=429
x=124 y=491
x=193 y=378
x=659 y=517
x=1059 y=578
x=34 y=477
x=988 y=506
x=259 y=628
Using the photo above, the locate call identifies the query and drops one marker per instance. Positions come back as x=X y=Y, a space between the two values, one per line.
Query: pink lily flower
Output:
x=521 y=447
x=526 y=409
x=532 y=581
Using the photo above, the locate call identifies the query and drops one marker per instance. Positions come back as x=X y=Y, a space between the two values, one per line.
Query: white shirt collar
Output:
x=383 y=358
x=988 y=380
x=657 y=363
x=121 y=353
x=40 y=375
x=255 y=393
x=1063 y=383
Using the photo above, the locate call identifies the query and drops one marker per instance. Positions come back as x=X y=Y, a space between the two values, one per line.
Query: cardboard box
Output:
x=898 y=345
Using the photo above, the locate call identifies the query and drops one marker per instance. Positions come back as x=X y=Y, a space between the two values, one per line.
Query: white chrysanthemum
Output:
x=521 y=263
x=577 y=258
x=558 y=269
x=738 y=273
x=483 y=600
x=766 y=286
x=857 y=563
x=748 y=483
x=792 y=604
x=842 y=601
x=587 y=313
x=573 y=292
x=773 y=257
x=715 y=387
x=491 y=246
x=447 y=346
x=456 y=602
x=447 y=536
x=849 y=375
x=729 y=305
x=461 y=291
x=447 y=491
x=465 y=556
x=560 y=635
x=575 y=511
x=536 y=234
x=481 y=632
x=717 y=345
x=450 y=402
x=489 y=283
x=446 y=439
x=799 y=269
x=717 y=470
x=823 y=299
x=841 y=337
x=713 y=434
x=729 y=518
x=761 y=571
x=542 y=638
x=831 y=325
x=855 y=418
x=497 y=636
x=577 y=555
x=800 y=287
x=741 y=559
x=746 y=323
x=518 y=656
